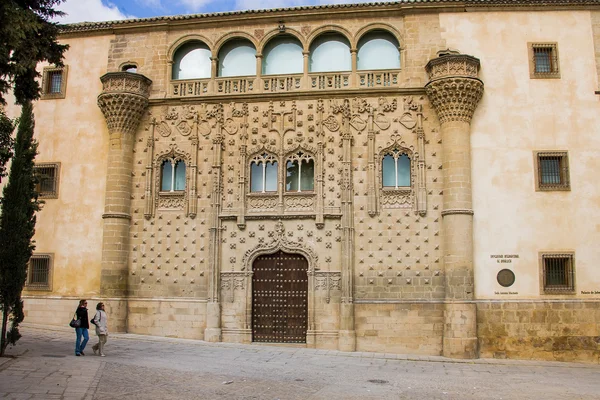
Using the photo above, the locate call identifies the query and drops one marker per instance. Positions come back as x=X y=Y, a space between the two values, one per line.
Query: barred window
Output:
x=552 y=170
x=54 y=82
x=47 y=176
x=300 y=171
x=39 y=270
x=558 y=273
x=543 y=60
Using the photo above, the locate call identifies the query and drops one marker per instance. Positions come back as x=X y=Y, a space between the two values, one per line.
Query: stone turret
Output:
x=455 y=90
x=123 y=100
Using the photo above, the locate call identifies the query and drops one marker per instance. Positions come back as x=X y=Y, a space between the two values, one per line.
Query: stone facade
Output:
x=406 y=270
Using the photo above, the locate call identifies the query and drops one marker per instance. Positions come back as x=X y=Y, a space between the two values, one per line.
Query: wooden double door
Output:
x=280 y=298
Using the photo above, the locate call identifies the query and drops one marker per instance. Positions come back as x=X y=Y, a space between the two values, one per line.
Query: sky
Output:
x=109 y=10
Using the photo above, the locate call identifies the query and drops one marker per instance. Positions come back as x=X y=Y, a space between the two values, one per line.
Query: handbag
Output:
x=75 y=322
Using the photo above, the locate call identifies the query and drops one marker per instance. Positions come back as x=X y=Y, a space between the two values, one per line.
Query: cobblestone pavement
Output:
x=143 y=367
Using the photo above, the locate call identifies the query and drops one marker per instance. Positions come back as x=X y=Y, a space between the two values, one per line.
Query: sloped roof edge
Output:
x=106 y=25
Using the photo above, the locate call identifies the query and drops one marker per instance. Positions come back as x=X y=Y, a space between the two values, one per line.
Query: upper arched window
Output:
x=300 y=173
x=172 y=175
x=396 y=169
x=330 y=52
x=129 y=68
x=237 y=58
x=192 y=61
x=263 y=173
x=378 y=50
x=283 y=55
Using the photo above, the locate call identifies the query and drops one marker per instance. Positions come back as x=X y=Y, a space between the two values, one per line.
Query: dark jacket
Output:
x=83 y=316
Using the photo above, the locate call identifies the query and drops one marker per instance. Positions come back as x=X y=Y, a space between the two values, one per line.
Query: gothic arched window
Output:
x=172 y=175
x=300 y=173
x=263 y=173
x=396 y=170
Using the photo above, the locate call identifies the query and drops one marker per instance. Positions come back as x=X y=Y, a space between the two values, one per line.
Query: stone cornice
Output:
x=325 y=10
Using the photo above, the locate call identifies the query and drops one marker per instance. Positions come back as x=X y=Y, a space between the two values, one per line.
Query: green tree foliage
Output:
x=17 y=226
x=27 y=38
x=6 y=142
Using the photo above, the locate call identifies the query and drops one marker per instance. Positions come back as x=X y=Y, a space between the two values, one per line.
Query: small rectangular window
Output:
x=552 y=170
x=47 y=176
x=39 y=272
x=54 y=82
x=558 y=273
x=543 y=61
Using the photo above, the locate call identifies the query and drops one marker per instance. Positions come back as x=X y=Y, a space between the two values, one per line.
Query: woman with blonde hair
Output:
x=101 y=322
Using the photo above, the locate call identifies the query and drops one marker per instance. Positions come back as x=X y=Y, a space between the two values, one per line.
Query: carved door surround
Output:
x=278 y=243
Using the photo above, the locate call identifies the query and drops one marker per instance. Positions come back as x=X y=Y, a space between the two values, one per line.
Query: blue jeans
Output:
x=79 y=344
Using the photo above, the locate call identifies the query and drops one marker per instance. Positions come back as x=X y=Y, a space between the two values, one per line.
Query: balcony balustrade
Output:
x=314 y=81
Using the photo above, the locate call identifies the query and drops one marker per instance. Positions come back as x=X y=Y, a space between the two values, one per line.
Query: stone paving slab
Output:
x=145 y=367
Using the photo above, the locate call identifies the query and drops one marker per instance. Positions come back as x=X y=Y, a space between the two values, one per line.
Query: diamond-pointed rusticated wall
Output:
x=123 y=101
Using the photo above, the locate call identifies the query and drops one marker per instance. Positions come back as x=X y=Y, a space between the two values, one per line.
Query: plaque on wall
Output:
x=506 y=277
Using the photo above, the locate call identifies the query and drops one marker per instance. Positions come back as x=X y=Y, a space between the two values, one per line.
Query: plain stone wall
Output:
x=403 y=328
x=558 y=331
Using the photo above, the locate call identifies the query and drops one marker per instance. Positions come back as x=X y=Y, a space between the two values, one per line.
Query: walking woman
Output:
x=82 y=331
x=101 y=322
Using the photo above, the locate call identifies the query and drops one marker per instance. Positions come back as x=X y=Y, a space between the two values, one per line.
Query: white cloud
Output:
x=194 y=5
x=266 y=4
x=90 y=11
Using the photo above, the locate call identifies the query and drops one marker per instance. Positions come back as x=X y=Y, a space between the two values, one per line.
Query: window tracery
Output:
x=300 y=173
x=263 y=173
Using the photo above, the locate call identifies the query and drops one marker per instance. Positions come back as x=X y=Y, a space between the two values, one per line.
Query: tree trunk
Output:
x=3 y=341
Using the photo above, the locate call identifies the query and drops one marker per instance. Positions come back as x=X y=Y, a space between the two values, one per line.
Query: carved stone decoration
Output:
x=397 y=198
x=331 y=123
x=184 y=128
x=280 y=242
x=171 y=201
x=163 y=129
x=299 y=202
x=407 y=121
x=452 y=65
x=123 y=100
x=328 y=281
x=382 y=121
x=232 y=281
x=262 y=204
x=454 y=95
x=230 y=126
x=358 y=123
x=204 y=127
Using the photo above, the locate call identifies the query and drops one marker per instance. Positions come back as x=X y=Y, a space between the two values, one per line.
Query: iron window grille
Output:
x=47 y=180
x=544 y=60
x=39 y=270
x=552 y=170
x=558 y=273
x=54 y=82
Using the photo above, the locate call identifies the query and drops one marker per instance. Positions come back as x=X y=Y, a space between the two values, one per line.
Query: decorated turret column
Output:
x=123 y=100
x=454 y=91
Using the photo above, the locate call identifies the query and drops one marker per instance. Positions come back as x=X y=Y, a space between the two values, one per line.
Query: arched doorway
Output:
x=280 y=298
